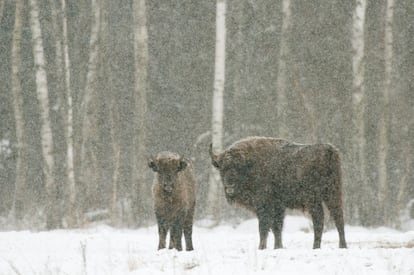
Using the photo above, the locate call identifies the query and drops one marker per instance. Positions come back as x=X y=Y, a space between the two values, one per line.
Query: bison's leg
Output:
x=339 y=222
x=333 y=197
x=277 y=227
x=264 y=227
x=176 y=233
x=317 y=219
x=162 y=233
x=188 y=230
x=338 y=216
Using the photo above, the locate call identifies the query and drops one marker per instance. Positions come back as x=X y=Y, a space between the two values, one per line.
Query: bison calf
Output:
x=174 y=198
x=268 y=175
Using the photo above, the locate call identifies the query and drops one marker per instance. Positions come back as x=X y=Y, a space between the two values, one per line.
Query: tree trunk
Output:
x=359 y=181
x=403 y=189
x=218 y=106
x=71 y=211
x=53 y=212
x=384 y=192
x=116 y=213
x=18 y=206
x=1 y=8
x=238 y=84
x=139 y=200
x=281 y=85
x=88 y=174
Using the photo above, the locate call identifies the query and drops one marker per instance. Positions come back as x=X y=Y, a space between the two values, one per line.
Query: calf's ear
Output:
x=152 y=164
x=182 y=165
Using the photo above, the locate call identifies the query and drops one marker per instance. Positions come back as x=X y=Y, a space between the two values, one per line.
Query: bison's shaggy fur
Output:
x=268 y=175
x=174 y=198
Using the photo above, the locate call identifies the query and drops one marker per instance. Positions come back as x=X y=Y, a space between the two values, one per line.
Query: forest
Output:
x=91 y=88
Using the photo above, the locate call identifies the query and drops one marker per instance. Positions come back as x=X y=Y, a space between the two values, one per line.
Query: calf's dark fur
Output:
x=174 y=198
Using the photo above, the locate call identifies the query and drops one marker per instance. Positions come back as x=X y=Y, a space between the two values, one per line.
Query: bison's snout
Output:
x=230 y=191
x=168 y=187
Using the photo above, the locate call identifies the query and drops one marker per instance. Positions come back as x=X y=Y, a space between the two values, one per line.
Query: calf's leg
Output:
x=162 y=233
x=317 y=219
x=277 y=227
x=188 y=230
x=338 y=216
x=176 y=232
x=264 y=227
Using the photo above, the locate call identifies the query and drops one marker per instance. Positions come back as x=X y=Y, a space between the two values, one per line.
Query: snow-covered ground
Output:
x=223 y=249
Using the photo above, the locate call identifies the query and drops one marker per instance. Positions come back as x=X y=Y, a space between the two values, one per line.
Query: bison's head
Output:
x=167 y=166
x=234 y=169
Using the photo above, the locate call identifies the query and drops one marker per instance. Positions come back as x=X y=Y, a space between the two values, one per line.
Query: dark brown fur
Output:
x=268 y=175
x=174 y=199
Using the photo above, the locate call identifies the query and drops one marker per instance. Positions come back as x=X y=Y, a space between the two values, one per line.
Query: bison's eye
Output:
x=231 y=174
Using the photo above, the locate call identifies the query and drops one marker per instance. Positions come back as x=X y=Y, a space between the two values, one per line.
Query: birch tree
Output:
x=384 y=193
x=53 y=215
x=71 y=212
x=281 y=85
x=140 y=95
x=358 y=105
x=18 y=198
x=218 y=105
x=87 y=114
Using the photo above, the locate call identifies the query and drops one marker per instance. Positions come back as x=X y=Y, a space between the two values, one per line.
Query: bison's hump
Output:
x=258 y=141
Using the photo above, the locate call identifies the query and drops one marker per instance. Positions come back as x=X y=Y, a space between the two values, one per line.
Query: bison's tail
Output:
x=335 y=175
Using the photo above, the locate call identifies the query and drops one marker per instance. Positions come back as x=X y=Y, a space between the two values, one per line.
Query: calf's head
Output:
x=234 y=168
x=167 y=169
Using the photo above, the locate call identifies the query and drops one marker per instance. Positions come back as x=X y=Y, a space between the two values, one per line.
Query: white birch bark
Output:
x=93 y=57
x=282 y=70
x=53 y=219
x=218 y=104
x=18 y=199
x=140 y=94
x=358 y=96
x=358 y=102
x=383 y=184
x=71 y=211
x=403 y=186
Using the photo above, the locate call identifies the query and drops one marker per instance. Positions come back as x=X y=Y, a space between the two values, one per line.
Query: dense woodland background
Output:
x=138 y=79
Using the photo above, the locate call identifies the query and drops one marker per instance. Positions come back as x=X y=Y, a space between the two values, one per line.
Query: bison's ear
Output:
x=214 y=157
x=182 y=165
x=152 y=164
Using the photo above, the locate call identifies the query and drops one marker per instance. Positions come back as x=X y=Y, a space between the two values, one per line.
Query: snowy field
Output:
x=223 y=249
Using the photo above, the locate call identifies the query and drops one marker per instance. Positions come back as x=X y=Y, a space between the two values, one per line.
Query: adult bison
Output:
x=268 y=175
x=174 y=198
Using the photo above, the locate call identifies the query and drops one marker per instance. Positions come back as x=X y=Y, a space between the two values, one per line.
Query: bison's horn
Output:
x=214 y=157
x=152 y=163
x=210 y=150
